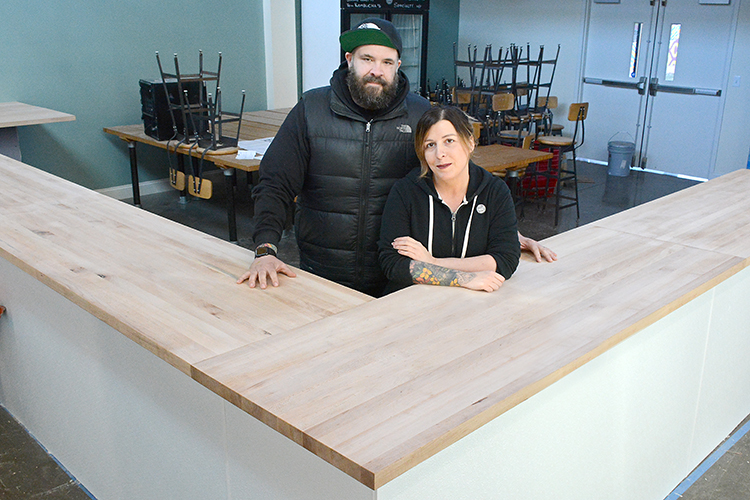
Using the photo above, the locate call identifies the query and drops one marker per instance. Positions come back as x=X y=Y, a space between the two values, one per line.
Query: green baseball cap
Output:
x=371 y=31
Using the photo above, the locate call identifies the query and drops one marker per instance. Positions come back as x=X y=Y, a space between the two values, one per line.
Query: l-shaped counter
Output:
x=616 y=369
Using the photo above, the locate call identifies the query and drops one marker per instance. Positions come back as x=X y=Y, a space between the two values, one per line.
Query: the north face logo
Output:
x=404 y=128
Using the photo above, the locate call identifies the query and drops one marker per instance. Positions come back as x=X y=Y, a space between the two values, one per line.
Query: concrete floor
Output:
x=26 y=469
x=28 y=472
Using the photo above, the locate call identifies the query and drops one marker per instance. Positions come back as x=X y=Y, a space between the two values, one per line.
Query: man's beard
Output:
x=368 y=97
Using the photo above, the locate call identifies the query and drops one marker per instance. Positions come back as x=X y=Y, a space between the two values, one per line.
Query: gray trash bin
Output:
x=620 y=157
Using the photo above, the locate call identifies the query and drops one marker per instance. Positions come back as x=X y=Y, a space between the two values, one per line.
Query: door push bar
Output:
x=640 y=85
x=654 y=87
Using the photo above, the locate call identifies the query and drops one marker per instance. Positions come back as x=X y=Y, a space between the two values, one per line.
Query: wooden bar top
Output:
x=374 y=387
x=377 y=389
x=167 y=287
x=18 y=114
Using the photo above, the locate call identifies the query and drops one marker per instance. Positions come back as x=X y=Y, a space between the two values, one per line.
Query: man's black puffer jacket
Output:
x=341 y=165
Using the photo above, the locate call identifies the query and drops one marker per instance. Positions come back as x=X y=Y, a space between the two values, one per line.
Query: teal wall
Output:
x=86 y=57
x=442 y=32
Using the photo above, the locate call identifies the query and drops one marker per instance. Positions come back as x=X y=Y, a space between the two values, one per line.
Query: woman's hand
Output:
x=409 y=247
x=487 y=281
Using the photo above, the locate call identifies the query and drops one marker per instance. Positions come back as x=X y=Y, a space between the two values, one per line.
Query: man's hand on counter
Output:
x=264 y=269
x=538 y=250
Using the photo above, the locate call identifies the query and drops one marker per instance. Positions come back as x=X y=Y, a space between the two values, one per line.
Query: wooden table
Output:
x=508 y=161
x=262 y=124
x=255 y=125
x=497 y=158
x=632 y=347
x=18 y=114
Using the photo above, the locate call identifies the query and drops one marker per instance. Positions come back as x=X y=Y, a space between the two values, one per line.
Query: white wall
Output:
x=544 y=22
x=280 y=30
x=321 y=54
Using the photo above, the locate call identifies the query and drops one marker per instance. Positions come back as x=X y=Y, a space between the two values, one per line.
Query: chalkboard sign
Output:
x=386 y=4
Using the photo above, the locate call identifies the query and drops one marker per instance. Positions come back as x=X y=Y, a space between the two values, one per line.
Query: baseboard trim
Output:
x=125 y=191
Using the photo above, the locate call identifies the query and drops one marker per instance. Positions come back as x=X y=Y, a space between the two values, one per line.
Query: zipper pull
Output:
x=367 y=128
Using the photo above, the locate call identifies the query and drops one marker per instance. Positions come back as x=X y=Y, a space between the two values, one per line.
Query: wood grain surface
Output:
x=377 y=389
x=498 y=158
x=374 y=387
x=17 y=114
x=168 y=287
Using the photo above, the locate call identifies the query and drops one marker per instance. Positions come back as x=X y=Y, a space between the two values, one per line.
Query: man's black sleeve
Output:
x=396 y=222
x=281 y=177
x=502 y=241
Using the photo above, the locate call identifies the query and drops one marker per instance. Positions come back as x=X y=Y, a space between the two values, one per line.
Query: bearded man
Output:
x=339 y=151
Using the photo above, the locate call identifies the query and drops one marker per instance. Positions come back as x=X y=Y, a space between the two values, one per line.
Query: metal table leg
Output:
x=181 y=168
x=134 y=174
x=229 y=178
x=511 y=179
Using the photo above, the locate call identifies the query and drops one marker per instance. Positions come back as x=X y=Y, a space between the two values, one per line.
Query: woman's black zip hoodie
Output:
x=484 y=224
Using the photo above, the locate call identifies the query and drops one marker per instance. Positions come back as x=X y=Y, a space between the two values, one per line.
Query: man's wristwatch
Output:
x=265 y=249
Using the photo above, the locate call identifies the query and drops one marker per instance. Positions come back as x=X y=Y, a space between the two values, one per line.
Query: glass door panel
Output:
x=685 y=116
x=410 y=28
x=618 y=58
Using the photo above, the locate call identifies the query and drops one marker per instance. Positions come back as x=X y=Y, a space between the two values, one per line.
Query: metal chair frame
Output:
x=559 y=174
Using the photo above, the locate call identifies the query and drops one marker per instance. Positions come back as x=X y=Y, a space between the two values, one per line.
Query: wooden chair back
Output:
x=461 y=96
x=477 y=126
x=503 y=101
x=550 y=102
x=575 y=109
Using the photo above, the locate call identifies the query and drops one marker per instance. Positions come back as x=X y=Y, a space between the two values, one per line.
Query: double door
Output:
x=654 y=75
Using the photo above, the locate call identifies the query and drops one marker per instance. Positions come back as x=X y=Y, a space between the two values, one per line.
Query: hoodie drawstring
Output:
x=432 y=226
x=468 y=228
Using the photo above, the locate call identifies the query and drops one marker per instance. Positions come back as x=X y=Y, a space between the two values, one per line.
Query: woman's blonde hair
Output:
x=455 y=116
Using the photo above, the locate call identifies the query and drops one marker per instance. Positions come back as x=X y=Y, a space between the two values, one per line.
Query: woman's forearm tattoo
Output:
x=430 y=274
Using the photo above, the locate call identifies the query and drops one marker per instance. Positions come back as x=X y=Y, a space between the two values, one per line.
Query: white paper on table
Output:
x=259 y=146
x=246 y=155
